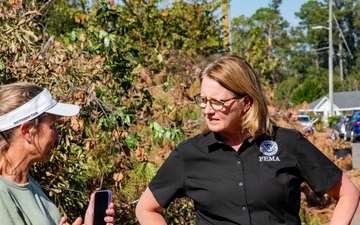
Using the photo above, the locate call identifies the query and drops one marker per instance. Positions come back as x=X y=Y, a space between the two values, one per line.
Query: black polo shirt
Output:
x=259 y=184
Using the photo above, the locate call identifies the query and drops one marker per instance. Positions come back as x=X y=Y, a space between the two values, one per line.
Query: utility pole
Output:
x=331 y=90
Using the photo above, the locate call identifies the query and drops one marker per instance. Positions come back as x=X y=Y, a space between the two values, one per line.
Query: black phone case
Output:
x=102 y=201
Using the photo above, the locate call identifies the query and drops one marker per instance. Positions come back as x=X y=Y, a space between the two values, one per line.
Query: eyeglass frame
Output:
x=220 y=101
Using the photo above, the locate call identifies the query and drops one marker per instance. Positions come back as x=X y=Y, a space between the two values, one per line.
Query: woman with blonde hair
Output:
x=28 y=114
x=242 y=169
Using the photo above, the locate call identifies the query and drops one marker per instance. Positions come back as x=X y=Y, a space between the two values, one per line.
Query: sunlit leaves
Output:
x=90 y=58
x=159 y=132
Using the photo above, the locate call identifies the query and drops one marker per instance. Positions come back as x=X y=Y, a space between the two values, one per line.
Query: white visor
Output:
x=43 y=102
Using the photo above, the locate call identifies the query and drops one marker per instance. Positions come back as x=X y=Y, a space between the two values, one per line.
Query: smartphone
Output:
x=103 y=199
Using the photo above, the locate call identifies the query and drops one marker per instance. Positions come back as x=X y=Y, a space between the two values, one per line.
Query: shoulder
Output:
x=281 y=130
x=6 y=194
x=286 y=133
x=294 y=142
x=194 y=146
x=35 y=188
x=4 y=187
x=286 y=138
x=200 y=141
x=193 y=139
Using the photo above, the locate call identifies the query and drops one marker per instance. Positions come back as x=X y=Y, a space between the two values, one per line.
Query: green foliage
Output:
x=20 y=44
x=332 y=120
x=102 y=60
x=283 y=91
x=171 y=28
x=315 y=221
x=180 y=211
x=262 y=38
x=302 y=215
x=159 y=132
x=140 y=175
x=133 y=70
x=63 y=19
x=309 y=90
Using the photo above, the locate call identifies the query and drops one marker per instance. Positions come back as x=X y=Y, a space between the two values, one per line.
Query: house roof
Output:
x=349 y=100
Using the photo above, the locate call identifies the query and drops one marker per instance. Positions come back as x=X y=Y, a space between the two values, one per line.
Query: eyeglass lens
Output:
x=201 y=102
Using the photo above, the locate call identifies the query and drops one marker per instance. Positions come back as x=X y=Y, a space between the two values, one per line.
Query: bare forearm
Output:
x=344 y=210
x=151 y=218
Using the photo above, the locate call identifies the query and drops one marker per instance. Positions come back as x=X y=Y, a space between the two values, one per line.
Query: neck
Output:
x=14 y=168
x=19 y=178
x=234 y=140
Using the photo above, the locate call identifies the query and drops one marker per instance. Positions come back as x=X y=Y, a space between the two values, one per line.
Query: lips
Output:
x=211 y=119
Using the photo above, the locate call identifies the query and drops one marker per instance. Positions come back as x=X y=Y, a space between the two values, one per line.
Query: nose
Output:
x=208 y=109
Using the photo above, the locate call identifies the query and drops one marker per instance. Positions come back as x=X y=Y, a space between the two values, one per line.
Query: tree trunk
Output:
x=225 y=22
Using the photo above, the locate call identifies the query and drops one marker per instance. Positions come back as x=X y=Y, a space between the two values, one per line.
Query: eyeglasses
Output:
x=215 y=104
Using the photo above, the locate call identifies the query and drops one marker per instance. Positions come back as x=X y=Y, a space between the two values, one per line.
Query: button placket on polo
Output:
x=238 y=162
x=239 y=166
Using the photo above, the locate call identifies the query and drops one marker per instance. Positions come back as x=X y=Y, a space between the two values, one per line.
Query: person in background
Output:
x=243 y=169
x=28 y=114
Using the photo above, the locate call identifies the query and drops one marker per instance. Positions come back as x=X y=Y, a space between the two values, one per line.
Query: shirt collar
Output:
x=214 y=142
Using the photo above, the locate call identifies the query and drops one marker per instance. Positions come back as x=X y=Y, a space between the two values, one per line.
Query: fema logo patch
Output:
x=269 y=148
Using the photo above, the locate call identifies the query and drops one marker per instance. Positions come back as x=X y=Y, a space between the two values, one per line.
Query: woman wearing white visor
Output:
x=28 y=114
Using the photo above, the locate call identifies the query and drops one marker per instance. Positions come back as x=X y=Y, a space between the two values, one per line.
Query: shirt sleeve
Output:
x=9 y=213
x=168 y=183
x=319 y=172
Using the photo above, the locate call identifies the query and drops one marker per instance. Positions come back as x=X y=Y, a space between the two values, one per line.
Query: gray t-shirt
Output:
x=26 y=204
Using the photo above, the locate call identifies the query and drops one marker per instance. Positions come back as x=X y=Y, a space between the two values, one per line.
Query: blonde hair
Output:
x=235 y=74
x=12 y=96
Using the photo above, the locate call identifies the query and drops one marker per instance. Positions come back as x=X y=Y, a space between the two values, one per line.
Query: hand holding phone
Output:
x=103 y=198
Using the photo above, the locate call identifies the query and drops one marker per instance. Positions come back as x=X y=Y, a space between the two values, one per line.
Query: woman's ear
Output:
x=247 y=103
x=26 y=131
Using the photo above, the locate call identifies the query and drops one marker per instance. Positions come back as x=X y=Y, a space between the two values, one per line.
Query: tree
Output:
x=262 y=38
x=315 y=14
x=225 y=23
x=130 y=68
x=310 y=90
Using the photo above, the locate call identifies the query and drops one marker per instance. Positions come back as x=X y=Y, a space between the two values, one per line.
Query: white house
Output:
x=344 y=104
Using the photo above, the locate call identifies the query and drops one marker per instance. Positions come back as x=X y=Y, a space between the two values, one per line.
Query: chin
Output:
x=215 y=128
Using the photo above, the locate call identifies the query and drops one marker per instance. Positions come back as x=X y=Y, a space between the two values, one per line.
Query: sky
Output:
x=249 y=7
